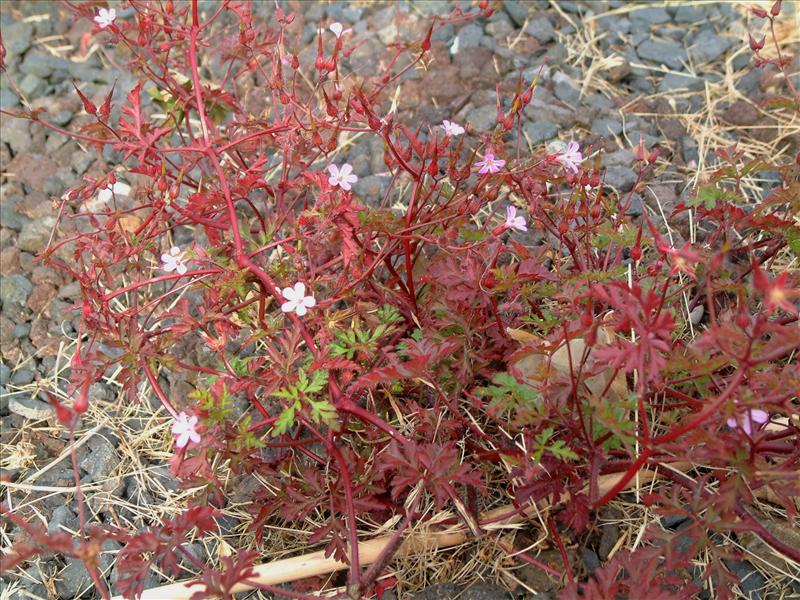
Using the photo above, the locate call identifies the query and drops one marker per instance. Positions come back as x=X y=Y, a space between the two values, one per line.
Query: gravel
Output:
x=664 y=52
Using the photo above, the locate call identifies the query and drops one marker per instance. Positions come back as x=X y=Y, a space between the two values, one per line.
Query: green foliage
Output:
x=218 y=408
x=245 y=439
x=299 y=395
x=545 y=443
x=352 y=342
x=508 y=396
x=709 y=195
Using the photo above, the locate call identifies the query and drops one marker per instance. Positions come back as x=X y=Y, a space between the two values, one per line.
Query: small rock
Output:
x=663 y=52
x=689 y=150
x=621 y=178
x=751 y=581
x=16 y=133
x=697 y=314
x=650 y=16
x=469 y=36
x=484 y=118
x=709 y=46
x=678 y=81
x=29 y=408
x=741 y=113
x=540 y=131
x=32 y=86
x=73 y=580
x=35 y=235
x=101 y=460
x=484 y=591
x=689 y=13
x=590 y=560
x=439 y=591
x=14 y=290
x=22 y=377
x=517 y=10
x=566 y=89
x=607 y=127
x=541 y=30
x=636 y=209
x=63 y=519
x=5 y=373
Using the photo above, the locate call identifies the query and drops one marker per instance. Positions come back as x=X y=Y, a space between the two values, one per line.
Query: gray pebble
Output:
x=650 y=16
x=469 y=36
x=22 y=377
x=101 y=460
x=5 y=373
x=541 y=29
x=636 y=209
x=73 y=580
x=664 y=52
x=688 y=13
x=678 y=81
x=14 y=290
x=621 y=178
x=517 y=10
x=607 y=127
x=32 y=86
x=709 y=46
x=483 y=118
x=566 y=89
x=540 y=131
x=16 y=133
x=63 y=519
x=34 y=236
x=29 y=408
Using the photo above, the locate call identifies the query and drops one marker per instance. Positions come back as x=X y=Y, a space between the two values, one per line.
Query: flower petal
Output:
x=310 y=301
x=333 y=170
x=299 y=290
x=759 y=416
x=288 y=293
x=288 y=307
x=300 y=310
x=181 y=269
x=345 y=170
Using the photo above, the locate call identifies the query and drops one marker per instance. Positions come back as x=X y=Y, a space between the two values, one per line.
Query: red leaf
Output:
x=88 y=105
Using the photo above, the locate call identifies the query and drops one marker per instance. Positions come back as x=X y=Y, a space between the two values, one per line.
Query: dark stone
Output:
x=689 y=150
x=688 y=13
x=607 y=127
x=440 y=591
x=484 y=118
x=541 y=29
x=73 y=580
x=14 y=290
x=22 y=376
x=517 y=10
x=636 y=209
x=101 y=460
x=741 y=113
x=751 y=581
x=650 y=16
x=621 y=178
x=664 y=52
x=469 y=36
x=34 y=236
x=590 y=560
x=677 y=81
x=485 y=591
x=566 y=89
x=5 y=373
x=63 y=519
x=540 y=131
x=709 y=46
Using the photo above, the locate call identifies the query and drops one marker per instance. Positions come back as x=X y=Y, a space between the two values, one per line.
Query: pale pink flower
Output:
x=490 y=164
x=571 y=157
x=338 y=30
x=184 y=430
x=343 y=177
x=514 y=221
x=746 y=420
x=105 y=17
x=451 y=128
x=173 y=261
x=296 y=300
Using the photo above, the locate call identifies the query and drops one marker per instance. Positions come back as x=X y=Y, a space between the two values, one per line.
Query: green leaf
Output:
x=286 y=419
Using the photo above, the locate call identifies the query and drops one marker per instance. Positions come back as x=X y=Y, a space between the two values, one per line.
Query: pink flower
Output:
x=343 y=177
x=513 y=221
x=451 y=128
x=338 y=30
x=105 y=17
x=571 y=157
x=184 y=430
x=296 y=300
x=173 y=261
x=746 y=420
x=490 y=164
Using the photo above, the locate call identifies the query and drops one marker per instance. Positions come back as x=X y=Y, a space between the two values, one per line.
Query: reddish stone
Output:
x=41 y=297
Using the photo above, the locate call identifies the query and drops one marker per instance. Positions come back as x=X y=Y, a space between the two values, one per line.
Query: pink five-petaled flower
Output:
x=451 y=128
x=571 y=157
x=490 y=164
x=514 y=221
x=343 y=177
x=338 y=30
x=296 y=300
x=105 y=17
x=683 y=260
x=184 y=430
x=776 y=293
x=173 y=261
x=746 y=420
